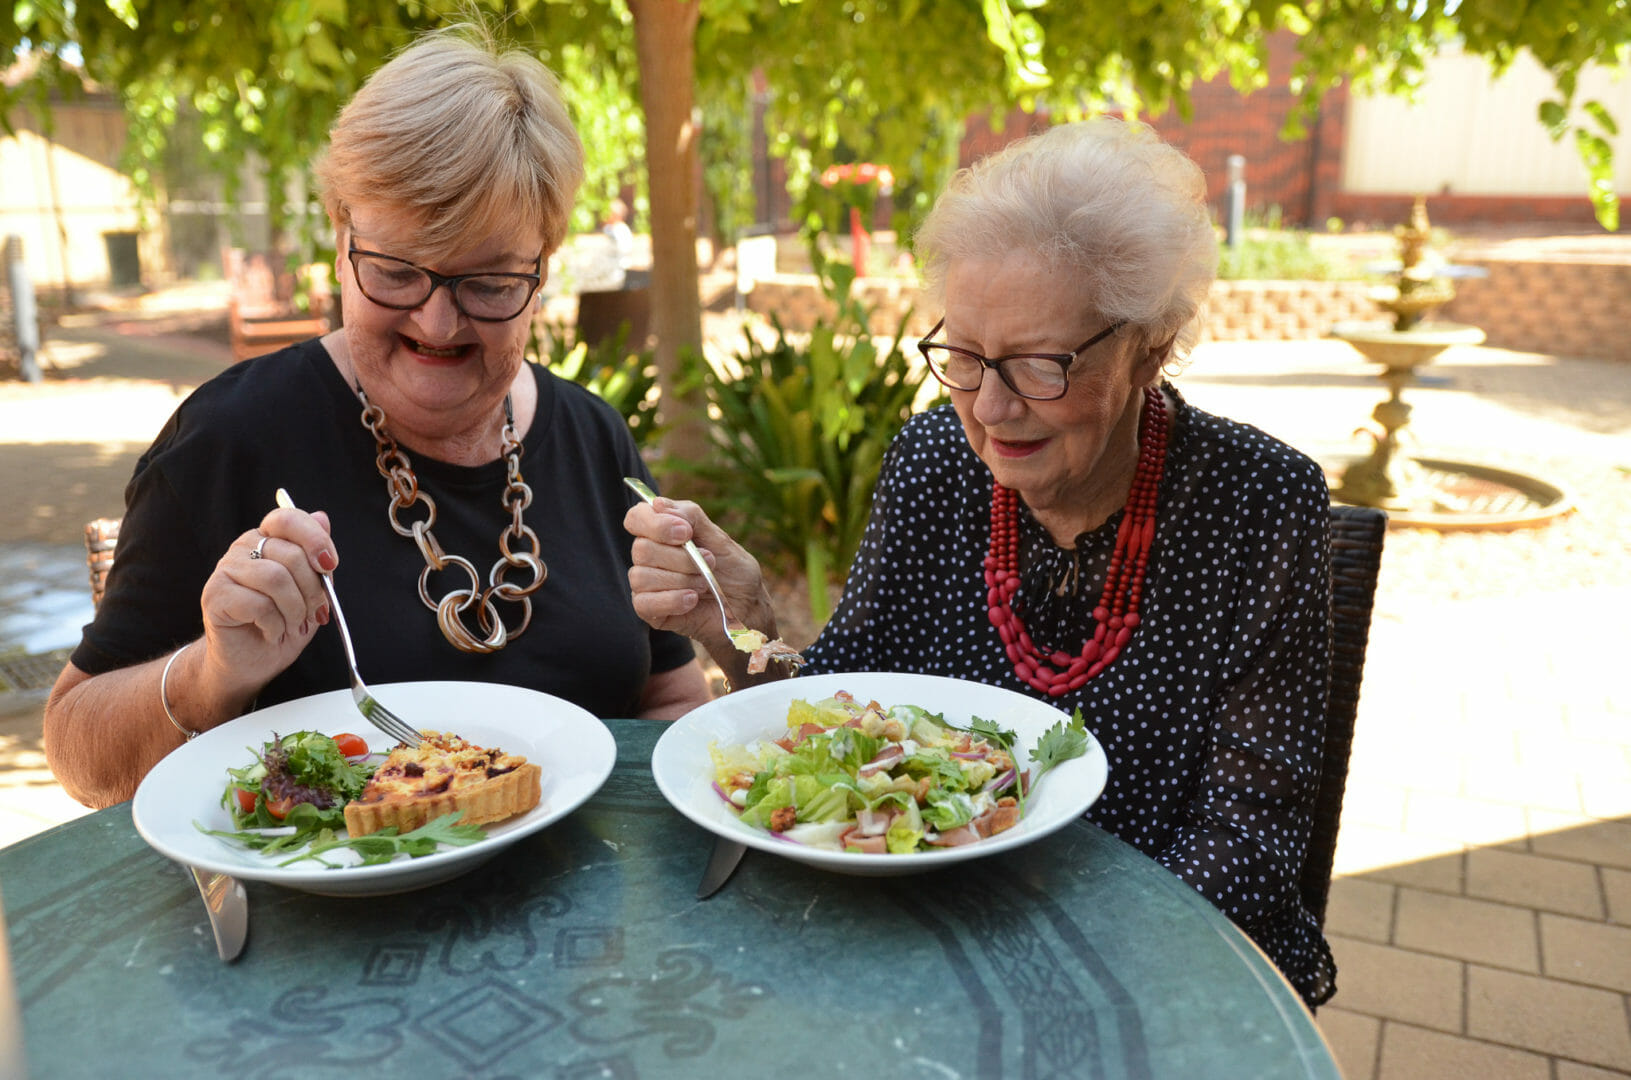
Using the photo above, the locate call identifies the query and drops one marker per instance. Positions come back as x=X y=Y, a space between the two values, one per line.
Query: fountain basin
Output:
x=1405 y=350
x=1457 y=495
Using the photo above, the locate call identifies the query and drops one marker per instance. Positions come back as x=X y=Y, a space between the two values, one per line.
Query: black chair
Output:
x=101 y=537
x=1356 y=558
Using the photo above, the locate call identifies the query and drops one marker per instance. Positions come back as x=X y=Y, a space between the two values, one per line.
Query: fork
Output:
x=746 y=640
x=370 y=707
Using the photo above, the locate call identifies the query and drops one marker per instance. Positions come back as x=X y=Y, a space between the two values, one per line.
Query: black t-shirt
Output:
x=289 y=420
x=1213 y=716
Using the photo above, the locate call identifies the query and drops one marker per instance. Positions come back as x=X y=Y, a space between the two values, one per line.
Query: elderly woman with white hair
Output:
x=1071 y=528
x=470 y=504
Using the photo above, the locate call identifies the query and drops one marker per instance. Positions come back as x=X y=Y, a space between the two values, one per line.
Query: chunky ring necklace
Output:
x=1057 y=672
x=403 y=487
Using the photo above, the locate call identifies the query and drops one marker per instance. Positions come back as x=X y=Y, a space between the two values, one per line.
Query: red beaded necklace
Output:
x=1117 y=611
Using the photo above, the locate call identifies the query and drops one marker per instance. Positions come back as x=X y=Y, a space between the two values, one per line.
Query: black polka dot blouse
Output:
x=1212 y=716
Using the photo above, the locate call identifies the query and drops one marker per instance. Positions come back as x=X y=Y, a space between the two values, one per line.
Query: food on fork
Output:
x=756 y=643
x=749 y=641
x=444 y=774
x=761 y=649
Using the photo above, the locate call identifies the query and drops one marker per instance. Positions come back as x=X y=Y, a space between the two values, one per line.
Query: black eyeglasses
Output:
x=1037 y=376
x=402 y=285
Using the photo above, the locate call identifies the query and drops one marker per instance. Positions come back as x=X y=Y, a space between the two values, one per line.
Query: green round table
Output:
x=583 y=952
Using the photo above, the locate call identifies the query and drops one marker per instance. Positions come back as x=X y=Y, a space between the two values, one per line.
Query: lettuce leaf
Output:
x=947 y=810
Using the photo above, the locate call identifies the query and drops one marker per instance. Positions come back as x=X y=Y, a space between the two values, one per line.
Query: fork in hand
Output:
x=748 y=641
x=370 y=707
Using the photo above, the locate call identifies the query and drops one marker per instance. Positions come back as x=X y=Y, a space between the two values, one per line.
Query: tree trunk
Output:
x=665 y=40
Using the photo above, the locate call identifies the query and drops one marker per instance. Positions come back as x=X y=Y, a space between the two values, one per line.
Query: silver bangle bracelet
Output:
x=164 y=692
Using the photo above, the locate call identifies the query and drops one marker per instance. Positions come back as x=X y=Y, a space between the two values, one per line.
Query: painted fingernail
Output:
x=326 y=560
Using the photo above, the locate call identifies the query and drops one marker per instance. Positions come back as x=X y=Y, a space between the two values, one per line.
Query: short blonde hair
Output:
x=1104 y=200
x=464 y=135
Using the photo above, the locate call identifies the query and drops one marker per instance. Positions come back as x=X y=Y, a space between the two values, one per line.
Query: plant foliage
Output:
x=888 y=81
x=893 y=81
x=801 y=429
x=1282 y=255
x=622 y=376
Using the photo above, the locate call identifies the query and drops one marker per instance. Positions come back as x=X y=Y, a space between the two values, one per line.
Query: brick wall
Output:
x=1303 y=178
x=1298 y=177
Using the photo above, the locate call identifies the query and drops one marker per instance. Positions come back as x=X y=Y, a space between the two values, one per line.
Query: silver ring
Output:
x=256 y=554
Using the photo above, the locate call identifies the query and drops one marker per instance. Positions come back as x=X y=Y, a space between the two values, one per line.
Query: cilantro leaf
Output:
x=1060 y=743
x=988 y=729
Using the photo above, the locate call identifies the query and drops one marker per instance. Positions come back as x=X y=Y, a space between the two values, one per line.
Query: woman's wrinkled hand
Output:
x=265 y=601
x=668 y=592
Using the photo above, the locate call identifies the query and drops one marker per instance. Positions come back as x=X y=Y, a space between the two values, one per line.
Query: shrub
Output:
x=625 y=378
x=801 y=432
x=1281 y=255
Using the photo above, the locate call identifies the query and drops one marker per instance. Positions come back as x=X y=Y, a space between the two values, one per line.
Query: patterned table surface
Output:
x=582 y=952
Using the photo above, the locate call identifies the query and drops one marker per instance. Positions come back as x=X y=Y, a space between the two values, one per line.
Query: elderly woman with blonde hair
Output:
x=468 y=504
x=1070 y=527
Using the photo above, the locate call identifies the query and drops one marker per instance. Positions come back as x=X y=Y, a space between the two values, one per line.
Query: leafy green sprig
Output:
x=1060 y=743
x=310 y=831
x=307 y=761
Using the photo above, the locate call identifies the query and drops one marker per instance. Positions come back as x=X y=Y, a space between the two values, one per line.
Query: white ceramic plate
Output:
x=684 y=771
x=574 y=749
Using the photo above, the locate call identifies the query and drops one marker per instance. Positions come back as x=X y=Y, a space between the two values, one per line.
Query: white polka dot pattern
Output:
x=1213 y=715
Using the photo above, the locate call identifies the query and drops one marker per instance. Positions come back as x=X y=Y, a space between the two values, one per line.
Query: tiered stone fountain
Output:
x=1422 y=491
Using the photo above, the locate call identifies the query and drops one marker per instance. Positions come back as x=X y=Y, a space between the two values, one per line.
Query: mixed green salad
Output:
x=290 y=800
x=872 y=779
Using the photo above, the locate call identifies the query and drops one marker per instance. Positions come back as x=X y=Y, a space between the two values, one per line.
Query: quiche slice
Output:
x=416 y=784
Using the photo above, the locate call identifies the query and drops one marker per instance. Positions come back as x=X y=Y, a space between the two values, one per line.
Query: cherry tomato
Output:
x=279 y=808
x=246 y=800
x=351 y=745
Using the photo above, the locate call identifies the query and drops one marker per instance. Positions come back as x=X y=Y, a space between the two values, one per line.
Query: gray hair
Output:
x=1105 y=200
x=462 y=134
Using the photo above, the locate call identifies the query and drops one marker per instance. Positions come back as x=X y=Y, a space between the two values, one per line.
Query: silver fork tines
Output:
x=367 y=704
x=745 y=639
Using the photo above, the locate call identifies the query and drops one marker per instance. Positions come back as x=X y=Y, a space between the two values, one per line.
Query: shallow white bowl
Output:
x=683 y=769
x=183 y=791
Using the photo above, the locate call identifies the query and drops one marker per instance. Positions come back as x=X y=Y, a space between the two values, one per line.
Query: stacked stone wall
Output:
x=1565 y=308
x=1284 y=310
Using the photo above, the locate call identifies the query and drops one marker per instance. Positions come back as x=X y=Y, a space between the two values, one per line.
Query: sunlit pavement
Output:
x=44 y=600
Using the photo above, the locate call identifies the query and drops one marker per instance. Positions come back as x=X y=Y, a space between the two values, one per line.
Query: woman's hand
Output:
x=261 y=606
x=263 y=603
x=668 y=592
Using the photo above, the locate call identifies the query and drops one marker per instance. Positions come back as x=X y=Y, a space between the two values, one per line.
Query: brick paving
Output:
x=1481 y=913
